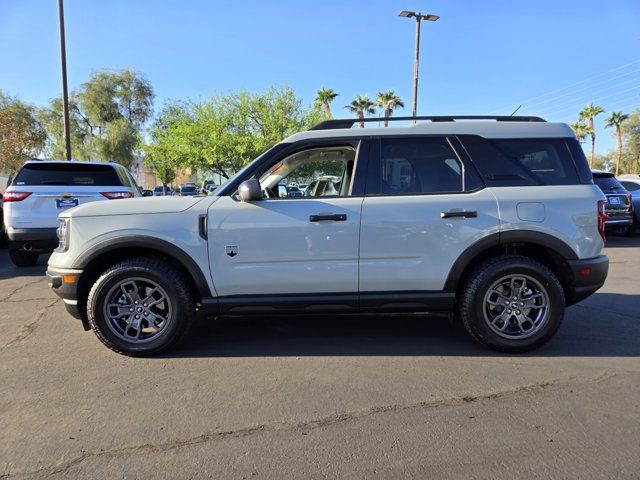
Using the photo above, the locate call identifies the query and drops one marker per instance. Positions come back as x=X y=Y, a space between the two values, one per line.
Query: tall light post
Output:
x=65 y=93
x=419 y=17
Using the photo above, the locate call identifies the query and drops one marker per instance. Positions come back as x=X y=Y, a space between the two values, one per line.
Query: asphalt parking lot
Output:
x=330 y=397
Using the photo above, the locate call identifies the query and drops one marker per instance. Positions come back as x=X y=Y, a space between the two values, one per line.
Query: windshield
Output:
x=224 y=186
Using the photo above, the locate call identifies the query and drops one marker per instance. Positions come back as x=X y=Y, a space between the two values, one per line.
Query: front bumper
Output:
x=64 y=283
x=588 y=276
x=39 y=240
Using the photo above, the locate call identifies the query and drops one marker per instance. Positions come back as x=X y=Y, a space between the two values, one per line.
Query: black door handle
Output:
x=336 y=217
x=202 y=226
x=459 y=214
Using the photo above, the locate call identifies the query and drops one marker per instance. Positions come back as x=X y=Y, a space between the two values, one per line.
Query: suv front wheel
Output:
x=512 y=304
x=141 y=307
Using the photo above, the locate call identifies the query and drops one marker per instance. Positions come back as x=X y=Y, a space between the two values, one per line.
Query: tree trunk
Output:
x=360 y=117
x=327 y=109
x=619 y=135
x=387 y=114
x=593 y=142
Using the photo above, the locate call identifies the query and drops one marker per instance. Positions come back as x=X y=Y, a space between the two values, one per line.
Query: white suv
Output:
x=497 y=220
x=43 y=189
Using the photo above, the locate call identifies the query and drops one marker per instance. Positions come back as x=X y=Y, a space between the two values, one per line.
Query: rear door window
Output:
x=547 y=159
x=415 y=166
x=76 y=174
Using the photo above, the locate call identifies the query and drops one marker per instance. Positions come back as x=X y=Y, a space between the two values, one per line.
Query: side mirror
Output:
x=147 y=193
x=250 y=191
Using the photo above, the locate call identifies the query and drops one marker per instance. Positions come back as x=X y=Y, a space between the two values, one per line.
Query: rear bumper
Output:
x=40 y=240
x=618 y=219
x=588 y=276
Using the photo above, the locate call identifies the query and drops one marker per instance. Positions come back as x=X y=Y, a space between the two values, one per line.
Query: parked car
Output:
x=188 y=190
x=41 y=190
x=496 y=220
x=209 y=188
x=303 y=187
x=159 y=191
x=618 y=208
x=3 y=233
x=632 y=184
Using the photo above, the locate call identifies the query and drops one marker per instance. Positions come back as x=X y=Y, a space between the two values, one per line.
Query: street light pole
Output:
x=416 y=66
x=419 y=17
x=65 y=93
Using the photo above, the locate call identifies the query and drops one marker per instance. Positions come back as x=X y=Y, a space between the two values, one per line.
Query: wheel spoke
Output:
x=130 y=289
x=123 y=310
x=530 y=302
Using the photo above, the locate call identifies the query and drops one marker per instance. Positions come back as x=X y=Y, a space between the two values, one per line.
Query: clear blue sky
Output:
x=480 y=57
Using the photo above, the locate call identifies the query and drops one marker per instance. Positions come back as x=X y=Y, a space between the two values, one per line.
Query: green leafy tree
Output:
x=587 y=114
x=615 y=120
x=388 y=101
x=107 y=115
x=225 y=133
x=580 y=129
x=361 y=106
x=324 y=97
x=21 y=134
x=631 y=151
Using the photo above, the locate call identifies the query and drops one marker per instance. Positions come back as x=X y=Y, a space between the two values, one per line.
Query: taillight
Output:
x=15 y=196
x=117 y=195
x=602 y=217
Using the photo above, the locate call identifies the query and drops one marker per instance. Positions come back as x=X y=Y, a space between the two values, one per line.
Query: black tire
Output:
x=179 y=293
x=478 y=283
x=20 y=258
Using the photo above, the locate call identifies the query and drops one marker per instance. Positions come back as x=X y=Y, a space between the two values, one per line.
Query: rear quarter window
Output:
x=547 y=160
x=68 y=174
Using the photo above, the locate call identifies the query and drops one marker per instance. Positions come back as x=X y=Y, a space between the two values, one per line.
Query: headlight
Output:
x=63 y=234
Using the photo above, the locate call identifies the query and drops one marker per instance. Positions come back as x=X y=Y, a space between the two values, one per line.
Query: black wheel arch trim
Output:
x=160 y=245
x=503 y=238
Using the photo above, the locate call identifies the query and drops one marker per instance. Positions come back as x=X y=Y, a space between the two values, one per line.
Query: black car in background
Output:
x=159 y=191
x=189 y=190
x=3 y=234
x=618 y=208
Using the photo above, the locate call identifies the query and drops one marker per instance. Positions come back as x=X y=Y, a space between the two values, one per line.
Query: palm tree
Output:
x=588 y=113
x=580 y=129
x=324 y=97
x=361 y=106
x=388 y=101
x=616 y=119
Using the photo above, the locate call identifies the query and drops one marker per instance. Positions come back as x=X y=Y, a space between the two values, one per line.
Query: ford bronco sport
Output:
x=496 y=219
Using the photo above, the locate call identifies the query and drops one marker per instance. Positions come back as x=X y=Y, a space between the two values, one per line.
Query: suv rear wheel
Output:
x=141 y=307
x=21 y=258
x=512 y=304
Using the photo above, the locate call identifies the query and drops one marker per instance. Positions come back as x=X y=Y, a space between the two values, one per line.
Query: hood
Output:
x=133 y=206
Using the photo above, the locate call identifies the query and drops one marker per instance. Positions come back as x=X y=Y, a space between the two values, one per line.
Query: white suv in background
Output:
x=42 y=190
x=497 y=220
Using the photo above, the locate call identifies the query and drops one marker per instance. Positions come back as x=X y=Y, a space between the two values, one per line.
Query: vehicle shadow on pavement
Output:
x=600 y=326
x=9 y=270
x=623 y=242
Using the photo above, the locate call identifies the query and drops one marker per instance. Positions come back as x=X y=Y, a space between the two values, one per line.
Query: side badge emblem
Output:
x=232 y=250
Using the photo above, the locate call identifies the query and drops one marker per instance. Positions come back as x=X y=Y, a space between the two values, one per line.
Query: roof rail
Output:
x=350 y=122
